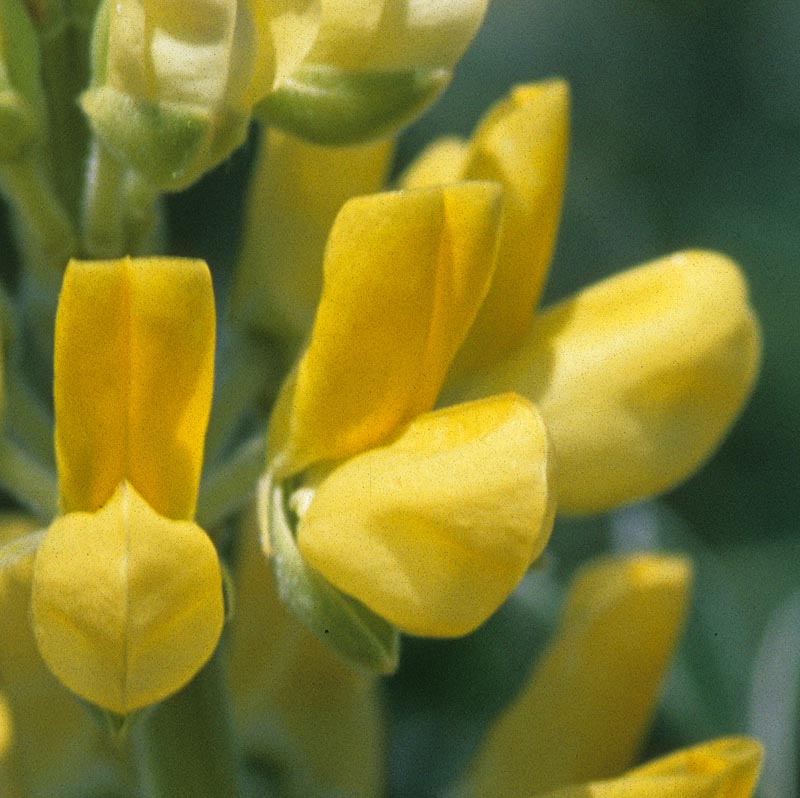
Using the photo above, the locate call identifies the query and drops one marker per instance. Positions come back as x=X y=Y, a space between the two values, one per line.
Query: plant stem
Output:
x=65 y=74
x=103 y=229
x=232 y=483
x=27 y=417
x=184 y=747
x=144 y=215
x=46 y=225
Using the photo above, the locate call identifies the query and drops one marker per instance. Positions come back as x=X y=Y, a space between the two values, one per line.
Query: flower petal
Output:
x=184 y=51
x=127 y=605
x=388 y=35
x=434 y=530
x=134 y=366
x=285 y=32
x=725 y=768
x=440 y=163
x=585 y=709
x=638 y=377
x=405 y=273
x=522 y=144
x=296 y=192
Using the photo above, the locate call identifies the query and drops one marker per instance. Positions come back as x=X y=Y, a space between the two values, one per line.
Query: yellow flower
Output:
x=48 y=743
x=294 y=195
x=393 y=35
x=427 y=517
x=577 y=725
x=638 y=378
x=127 y=593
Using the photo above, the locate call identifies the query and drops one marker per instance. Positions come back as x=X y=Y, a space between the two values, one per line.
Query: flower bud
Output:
x=169 y=84
x=373 y=67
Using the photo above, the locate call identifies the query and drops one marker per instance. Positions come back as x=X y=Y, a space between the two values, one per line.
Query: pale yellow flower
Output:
x=372 y=67
x=175 y=81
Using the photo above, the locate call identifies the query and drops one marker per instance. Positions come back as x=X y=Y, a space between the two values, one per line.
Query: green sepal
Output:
x=357 y=634
x=117 y=727
x=170 y=145
x=328 y=106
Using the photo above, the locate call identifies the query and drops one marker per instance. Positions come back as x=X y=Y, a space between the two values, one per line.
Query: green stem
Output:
x=44 y=219
x=27 y=417
x=143 y=215
x=103 y=228
x=231 y=485
x=34 y=485
x=65 y=74
x=185 y=746
x=249 y=374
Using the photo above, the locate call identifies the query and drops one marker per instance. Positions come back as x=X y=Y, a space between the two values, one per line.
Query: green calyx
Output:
x=327 y=106
x=171 y=145
x=356 y=633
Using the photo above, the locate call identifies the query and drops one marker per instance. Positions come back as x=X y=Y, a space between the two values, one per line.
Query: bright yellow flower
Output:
x=294 y=195
x=127 y=593
x=428 y=517
x=639 y=377
x=578 y=723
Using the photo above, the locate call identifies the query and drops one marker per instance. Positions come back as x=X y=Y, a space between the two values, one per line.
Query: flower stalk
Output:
x=185 y=745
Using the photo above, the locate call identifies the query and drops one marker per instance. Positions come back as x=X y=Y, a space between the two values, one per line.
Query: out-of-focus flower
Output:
x=638 y=378
x=577 y=725
x=427 y=517
x=296 y=191
x=304 y=714
x=372 y=67
x=174 y=82
x=127 y=593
